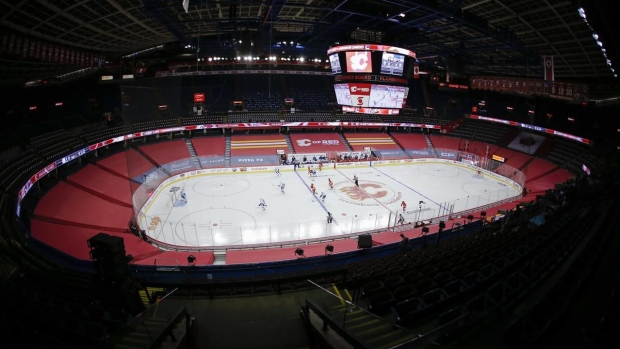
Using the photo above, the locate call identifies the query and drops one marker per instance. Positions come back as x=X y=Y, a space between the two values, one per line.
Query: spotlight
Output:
x=191 y=260
x=299 y=252
x=483 y=214
x=129 y=259
x=425 y=230
x=470 y=217
x=329 y=249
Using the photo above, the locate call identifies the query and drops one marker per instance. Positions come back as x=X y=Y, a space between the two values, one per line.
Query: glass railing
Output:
x=194 y=234
x=492 y=183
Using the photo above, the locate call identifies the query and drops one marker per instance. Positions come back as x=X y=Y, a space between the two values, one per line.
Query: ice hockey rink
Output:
x=222 y=209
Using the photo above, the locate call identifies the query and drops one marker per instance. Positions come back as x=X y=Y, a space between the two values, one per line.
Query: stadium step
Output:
x=141 y=336
x=227 y=152
x=220 y=257
x=192 y=153
x=430 y=146
x=289 y=144
x=344 y=141
x=144 y=294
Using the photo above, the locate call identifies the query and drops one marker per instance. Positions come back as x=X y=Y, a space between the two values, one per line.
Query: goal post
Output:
x=172 y=198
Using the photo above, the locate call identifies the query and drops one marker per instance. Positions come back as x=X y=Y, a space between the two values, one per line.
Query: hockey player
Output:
x=330 y=218
x=282 y=187
x=278 y=172
x=403 y=205
x=312 y=173
x=323 y=196
x=183 y=197
x=309 y=170
x=313 y=188
x=355 y=180
x=262 y=204
x=321 y=166
x=330 y=183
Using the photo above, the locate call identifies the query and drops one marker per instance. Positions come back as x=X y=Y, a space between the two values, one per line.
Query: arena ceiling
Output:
x=475 y=37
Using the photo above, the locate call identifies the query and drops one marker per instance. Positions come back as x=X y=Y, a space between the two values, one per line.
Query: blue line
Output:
x=406 y=186
x=317 y=199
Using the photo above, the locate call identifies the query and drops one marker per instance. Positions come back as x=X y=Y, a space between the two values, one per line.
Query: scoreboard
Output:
x=370 y=95
x=371 y=78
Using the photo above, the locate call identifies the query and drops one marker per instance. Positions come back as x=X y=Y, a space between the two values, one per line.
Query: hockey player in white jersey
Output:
x=262 y=204
x=323 y=196
x=282 y=187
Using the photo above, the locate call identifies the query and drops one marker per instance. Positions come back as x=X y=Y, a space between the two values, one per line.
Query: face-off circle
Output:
x=220 y=186
x=438 y=171
x=213 y=223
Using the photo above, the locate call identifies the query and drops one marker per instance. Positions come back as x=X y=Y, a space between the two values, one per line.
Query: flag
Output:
x=548 y=61
x=416 y=71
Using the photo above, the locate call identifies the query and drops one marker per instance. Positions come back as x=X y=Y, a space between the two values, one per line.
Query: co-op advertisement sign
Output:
x=307 y=142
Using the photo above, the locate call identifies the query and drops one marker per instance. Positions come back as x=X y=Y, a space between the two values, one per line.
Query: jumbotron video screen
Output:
x=371 y=79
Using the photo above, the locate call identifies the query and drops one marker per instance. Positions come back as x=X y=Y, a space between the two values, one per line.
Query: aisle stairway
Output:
x=149 y=292
x=344 y=141
x=192 y=153
x=227 y=152
x=291 y=150
x=431 y=150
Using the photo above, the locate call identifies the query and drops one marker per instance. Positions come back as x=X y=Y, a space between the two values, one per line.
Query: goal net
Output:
x=173 y=196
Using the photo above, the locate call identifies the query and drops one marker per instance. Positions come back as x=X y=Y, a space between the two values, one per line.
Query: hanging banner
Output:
x=548 y=62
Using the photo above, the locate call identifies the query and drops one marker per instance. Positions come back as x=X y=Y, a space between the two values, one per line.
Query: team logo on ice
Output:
x=364 y=191
x=377 y=193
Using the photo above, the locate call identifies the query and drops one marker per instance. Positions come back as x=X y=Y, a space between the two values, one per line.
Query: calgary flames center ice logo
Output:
x=359 y=61
x=364 y=191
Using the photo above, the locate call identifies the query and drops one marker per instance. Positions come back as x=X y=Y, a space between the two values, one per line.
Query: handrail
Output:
x=348 y=302
x=356 y=342
x=159 y=339
x=341 y=328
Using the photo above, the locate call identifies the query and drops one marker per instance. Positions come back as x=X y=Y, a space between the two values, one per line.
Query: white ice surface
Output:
x=222 y=209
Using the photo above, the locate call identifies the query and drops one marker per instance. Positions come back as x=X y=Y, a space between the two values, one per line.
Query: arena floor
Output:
x=223 y=209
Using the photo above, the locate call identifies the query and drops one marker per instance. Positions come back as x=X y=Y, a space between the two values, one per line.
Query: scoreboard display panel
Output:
x=334 y=62
x=392 y=64
x=386 y=96
x=371 y=77
x=343 y=97
x=359 y=62
x=360 y=94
